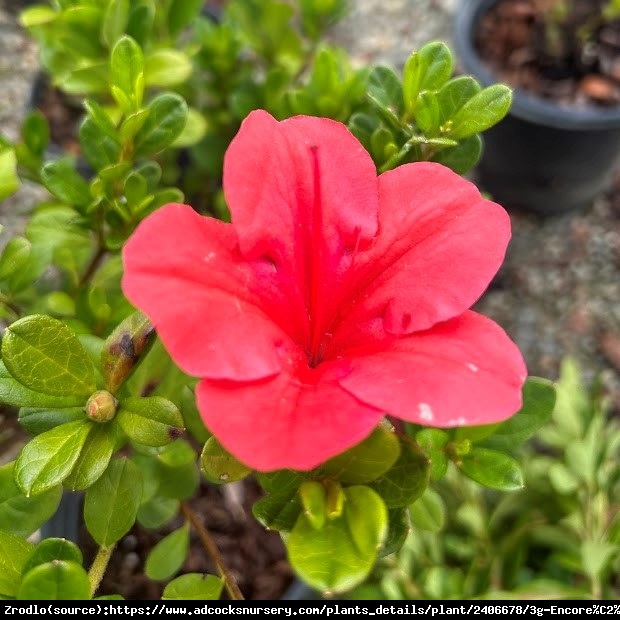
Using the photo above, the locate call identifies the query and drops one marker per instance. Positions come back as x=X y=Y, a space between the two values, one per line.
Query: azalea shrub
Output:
x=262 y=264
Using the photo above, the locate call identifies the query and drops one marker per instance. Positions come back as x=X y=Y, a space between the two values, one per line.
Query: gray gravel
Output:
x=558 y=292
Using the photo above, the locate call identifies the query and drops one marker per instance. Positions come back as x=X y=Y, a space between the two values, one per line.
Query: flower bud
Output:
x=101 y=406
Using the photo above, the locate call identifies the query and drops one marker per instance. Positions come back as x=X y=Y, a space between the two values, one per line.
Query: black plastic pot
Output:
x=542 y=157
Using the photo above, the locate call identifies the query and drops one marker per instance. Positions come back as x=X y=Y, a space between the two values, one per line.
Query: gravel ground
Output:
x=558 y=292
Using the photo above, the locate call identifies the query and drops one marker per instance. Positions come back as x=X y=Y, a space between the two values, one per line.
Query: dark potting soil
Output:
x=573 y=59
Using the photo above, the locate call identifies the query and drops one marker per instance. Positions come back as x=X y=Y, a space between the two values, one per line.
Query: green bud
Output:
x=101 y=406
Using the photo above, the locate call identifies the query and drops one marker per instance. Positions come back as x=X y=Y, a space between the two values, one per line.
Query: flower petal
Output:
x=465 y=371
x=218 y=315
x=440 y=244
x=302 y=192
x=295 y=420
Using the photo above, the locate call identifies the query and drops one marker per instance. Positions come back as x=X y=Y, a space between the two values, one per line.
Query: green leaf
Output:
x=367 y=460
x=123 y=349
x=167 y=556
x=47 y=459
x=356 y=535
x=428 y=512
x=94 y=457
x=62 y=179
x=194 y=587
x=51 y=549
x=279 y=510
x=177 y=471
x=596 y=556
x=99 y=149
x=385 y=89
x=166 y=67
x=181 y=13
x=44 y=355
x=492 y=469
x=115 y=21
x=219 y=466
x=398 y=530
x=37 y=15
x=55 y=581
x=453 y=95
x=14 y=552
x=36 y=133
x=427 y=115
x=14 y=255
x=433 y=441
x=157 y=511
x=21 y=515
x=166 y=120
x=9 y=180
x=111 y=504
x=538 y=403
x=38 y=420
x=194 y=130
x=482 y=111
x=462 y=157
x=151 y=421
x=127 y=74
x=407 y=479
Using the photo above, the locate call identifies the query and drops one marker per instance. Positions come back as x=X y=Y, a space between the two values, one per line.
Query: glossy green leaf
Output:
x=157 y=511
x=21 y=515
x=9 y=179
x=385 y=89
x=428 y=113
x=219 y=466
x=127 y=74
x=94 y=457
x=181 y=14
x=55 y=581
x=166 y=67
x=47 y=459
x=167 y=556
x=93 y=79
x=428 y=68
x=177 y=471
x=36 y=133
x=14 y=552
x=433 y=441
x=538 y=403
x=281 y=507
x=51 y=549
x=313 y=495
x=194 y=130
x=166 y=120
x=428 y=512
x=398 y=530
x=151 y=421
x=14 y=255
x=112 y=503
x=367 y=460
x=407 y=479
x=453 y=95
x=99 y=150
x=37 y=420
x=37 y=15
x=141 y=18
x=115 y=21
x=100 y=117
x=43 y=354
x=194 y=587
x=62 y=179
x=357 y=535
x=462 y=157
x=492 y=469
x=482 y=111
x=132 y=124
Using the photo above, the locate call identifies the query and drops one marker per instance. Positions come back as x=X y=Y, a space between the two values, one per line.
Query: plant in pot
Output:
x=558 y=147
x=156 y=351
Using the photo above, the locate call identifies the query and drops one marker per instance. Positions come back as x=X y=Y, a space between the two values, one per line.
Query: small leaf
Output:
x=115 y=21
x=37 y=420
x=482 y=111
x=62 y=179
x=433 y=441
x=462 y=157
x=112 y=503
x=492 y=469
x=398 y=530
x=385 y=89
x=21 y=515
x=356 y=535
x=47 y=459
x=181 y=14
x=14 y=255
x=428 y=512
x=407 y=479
x=151 y=421
x=168 y=555
x=279 y=510
x=194 y=587
x=166 y=120
x=367 y=460
x=427 y=113
x=9 y=180
x=55 y=581
x=166 y=67
x=219 y=466
x=51 y=549
x=14 y=553
x=177 y=471
x=127 y=74
x=157 y=511
x=44 y=355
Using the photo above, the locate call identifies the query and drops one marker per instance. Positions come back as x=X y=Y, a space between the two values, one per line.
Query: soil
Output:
x=571 y=57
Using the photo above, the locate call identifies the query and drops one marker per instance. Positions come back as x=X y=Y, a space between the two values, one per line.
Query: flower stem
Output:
x=209 y=544
x=98 y=567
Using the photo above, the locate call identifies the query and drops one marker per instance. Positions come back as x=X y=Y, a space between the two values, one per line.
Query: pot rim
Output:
x=524 y=105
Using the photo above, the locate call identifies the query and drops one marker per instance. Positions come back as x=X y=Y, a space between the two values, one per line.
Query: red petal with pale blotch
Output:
x=296 y=420
x=465 y=371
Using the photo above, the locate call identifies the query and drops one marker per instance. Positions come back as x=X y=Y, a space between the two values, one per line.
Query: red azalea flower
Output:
x=334 y=296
